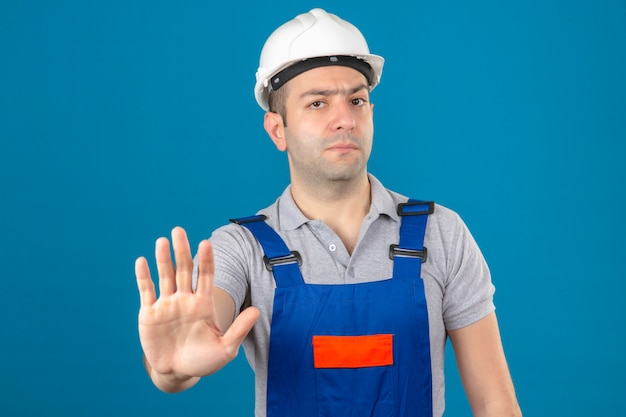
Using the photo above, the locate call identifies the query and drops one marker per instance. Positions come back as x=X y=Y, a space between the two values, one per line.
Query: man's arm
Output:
x=483 y=369
x=186 y=333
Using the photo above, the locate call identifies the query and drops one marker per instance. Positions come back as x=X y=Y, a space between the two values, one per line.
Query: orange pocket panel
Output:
x=352 y=351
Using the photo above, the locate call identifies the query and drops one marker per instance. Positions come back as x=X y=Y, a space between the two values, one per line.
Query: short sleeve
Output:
x=468 y=294
x=231 y=252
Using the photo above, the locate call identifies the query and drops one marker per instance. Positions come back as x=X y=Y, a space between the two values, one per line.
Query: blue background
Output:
x=122 y=119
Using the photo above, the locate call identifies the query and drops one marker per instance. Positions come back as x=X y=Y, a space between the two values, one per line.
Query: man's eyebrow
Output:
x=332 y=92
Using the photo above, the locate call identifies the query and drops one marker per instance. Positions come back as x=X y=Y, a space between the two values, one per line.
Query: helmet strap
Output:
x=298 y=68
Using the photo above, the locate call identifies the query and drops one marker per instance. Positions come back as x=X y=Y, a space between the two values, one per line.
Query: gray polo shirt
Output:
x=458 y=286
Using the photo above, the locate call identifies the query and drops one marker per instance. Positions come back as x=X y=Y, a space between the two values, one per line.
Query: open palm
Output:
x=179 y=331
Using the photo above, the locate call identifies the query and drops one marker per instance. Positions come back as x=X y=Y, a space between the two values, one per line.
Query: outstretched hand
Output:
x=180 y=332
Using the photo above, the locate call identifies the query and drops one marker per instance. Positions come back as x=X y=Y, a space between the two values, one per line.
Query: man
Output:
x=305 y=285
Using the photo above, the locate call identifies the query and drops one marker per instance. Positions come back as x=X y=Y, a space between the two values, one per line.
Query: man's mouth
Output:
x=343 y=147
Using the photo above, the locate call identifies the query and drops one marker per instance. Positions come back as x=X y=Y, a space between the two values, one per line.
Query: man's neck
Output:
x=342 y=206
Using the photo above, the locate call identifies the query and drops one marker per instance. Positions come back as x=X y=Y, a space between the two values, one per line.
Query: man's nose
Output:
x=343 y=117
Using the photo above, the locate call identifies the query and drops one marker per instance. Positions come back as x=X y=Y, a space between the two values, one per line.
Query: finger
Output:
x=145 y=285
x=184 y=262
x=241 y=327
x=167 y=273
x=206 y=268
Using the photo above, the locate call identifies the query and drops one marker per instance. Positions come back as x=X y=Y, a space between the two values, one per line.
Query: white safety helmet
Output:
x=320 y=39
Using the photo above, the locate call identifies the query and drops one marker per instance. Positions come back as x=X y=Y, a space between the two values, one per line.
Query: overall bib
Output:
x=350 y=350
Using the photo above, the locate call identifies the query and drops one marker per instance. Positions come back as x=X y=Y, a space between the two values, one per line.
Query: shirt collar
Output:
x=290 y=216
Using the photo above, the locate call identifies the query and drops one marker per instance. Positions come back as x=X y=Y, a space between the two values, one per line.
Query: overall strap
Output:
x=410 y=253
x=284 y=264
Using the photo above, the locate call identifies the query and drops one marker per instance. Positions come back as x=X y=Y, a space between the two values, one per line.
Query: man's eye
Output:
x=316 y=104
x=358 y=101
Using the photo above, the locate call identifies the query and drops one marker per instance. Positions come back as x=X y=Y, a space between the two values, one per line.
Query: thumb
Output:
x=241 y=326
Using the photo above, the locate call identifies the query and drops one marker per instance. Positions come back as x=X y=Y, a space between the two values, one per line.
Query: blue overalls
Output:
x=353 y=350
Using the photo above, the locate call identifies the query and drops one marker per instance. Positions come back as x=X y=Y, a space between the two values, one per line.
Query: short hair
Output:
x=278 y=102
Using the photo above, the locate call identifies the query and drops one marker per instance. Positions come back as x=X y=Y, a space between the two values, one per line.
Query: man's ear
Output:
x=275 y=128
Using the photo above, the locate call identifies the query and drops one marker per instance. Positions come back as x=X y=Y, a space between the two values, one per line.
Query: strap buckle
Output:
x=396 y=250
x=416 y=208
x=249 y=219
x=294 y=256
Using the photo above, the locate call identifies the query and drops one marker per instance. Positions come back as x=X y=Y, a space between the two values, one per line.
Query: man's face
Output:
x=330 y=129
